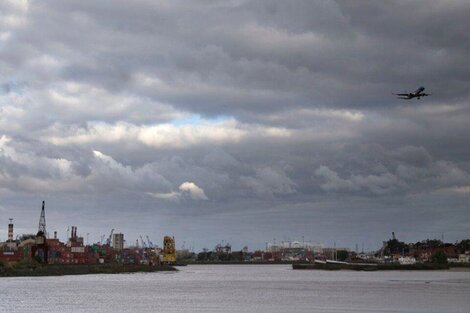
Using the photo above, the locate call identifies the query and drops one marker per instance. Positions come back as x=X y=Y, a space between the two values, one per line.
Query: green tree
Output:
x=464 y=245
x=342 y=255
x=439 y=258
x=394 y=246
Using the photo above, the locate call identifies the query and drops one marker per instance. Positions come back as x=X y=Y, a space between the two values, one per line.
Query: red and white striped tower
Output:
x=10 y=230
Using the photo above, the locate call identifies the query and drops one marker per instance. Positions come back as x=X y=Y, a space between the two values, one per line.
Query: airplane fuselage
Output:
x=419 y=90
x=418 y=93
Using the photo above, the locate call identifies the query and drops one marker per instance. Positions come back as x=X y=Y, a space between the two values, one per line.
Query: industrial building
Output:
x=74 y=251
x=118 y=241
x=169 y=250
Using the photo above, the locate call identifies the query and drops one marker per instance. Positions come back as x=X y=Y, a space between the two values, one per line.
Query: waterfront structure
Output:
x=169 y=251
x=39 y=250
x=406 y=260
x=74 y=251
x=118 y=241
x=10 y=243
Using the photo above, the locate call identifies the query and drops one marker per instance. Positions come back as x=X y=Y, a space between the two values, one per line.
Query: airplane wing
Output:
x=401 y=94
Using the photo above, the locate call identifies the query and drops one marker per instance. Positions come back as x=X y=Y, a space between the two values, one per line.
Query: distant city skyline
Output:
x=196 y=246
x=236 y=120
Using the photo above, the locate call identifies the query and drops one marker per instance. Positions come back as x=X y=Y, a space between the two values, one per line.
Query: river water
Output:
x=241 y=288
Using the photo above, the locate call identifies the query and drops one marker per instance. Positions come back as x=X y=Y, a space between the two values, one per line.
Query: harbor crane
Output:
x=143 y=242
x=108 y=241
x=149 y=242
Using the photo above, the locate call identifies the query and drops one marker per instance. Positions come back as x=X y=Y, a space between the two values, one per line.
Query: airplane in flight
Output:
x=418 y=93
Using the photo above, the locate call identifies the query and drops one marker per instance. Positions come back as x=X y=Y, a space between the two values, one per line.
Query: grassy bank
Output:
x=34 y=269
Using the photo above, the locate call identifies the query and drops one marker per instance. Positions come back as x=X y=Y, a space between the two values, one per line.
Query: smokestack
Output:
x=55 y=235
x=10 y=230
x=73 y=235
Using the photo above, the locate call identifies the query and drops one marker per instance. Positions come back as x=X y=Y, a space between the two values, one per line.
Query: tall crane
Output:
x=40 y=249
x=143 y=242
x=149 y=242
x=108 y=241
x=42 y=221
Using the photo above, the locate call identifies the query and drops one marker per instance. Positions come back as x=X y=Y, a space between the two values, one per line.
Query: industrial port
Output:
x=112 y=250
x=43 y=249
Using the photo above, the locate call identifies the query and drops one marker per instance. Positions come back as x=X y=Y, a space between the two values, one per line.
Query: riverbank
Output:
x=372 y=267
x=192 y=262
x=60 y=270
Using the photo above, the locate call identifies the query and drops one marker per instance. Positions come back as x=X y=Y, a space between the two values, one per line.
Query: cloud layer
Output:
x=236 y=120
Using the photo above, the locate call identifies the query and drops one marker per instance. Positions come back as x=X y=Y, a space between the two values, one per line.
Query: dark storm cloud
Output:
x=194 y=117
x=425 y=40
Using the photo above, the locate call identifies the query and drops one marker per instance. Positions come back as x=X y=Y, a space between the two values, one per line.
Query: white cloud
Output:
x=166 y=196
x=187 y=190
x=27 y=171
x=107 y=174
x=163 y=135
x=193 y=190
x=31 y=172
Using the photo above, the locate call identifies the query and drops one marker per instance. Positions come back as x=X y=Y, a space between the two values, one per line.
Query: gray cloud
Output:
x=263 y=117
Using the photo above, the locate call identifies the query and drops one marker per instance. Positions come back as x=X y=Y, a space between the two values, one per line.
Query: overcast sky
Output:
x=235 y=120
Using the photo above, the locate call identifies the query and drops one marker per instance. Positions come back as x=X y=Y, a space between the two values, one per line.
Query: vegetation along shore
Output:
x=31 y=268
x=376 y=267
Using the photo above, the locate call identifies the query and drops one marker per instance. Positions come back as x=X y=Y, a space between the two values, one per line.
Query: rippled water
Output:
x=242 y=288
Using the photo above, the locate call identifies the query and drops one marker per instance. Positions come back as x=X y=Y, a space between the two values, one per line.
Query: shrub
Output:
x=439 y=258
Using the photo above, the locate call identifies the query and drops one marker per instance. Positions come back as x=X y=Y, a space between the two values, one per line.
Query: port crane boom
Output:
x=108 y=241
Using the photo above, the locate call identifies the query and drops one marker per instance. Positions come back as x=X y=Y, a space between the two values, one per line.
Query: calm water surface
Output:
x=241 y=288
